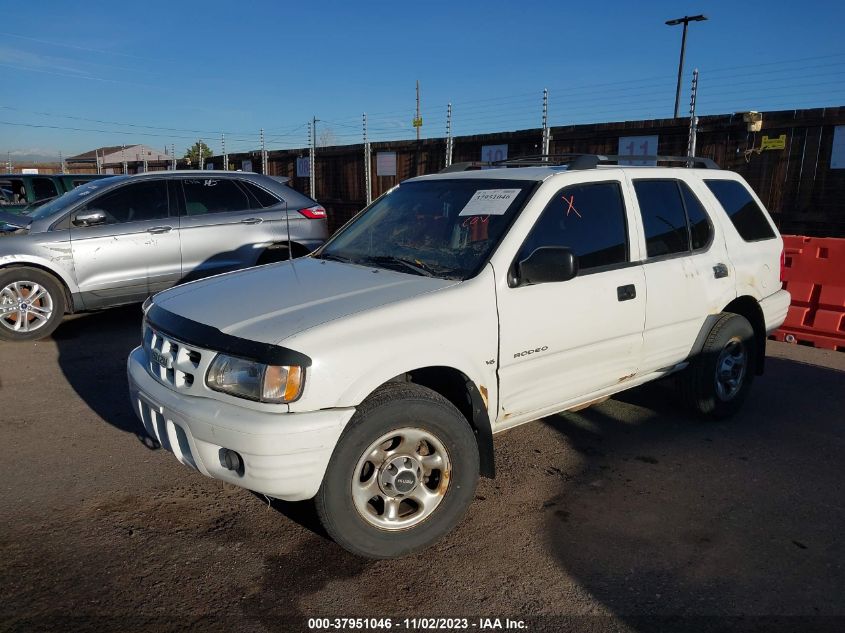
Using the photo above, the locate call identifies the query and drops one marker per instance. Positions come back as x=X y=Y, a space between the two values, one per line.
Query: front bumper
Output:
x=284 y=455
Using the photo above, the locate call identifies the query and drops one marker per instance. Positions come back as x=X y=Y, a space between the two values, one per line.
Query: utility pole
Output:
x=417 y=123
x=173 y=156
x=9 y=162
x=693 y=120
x=546 y=136
x=97 y=159
x=685 y=21
x=61 y=162
x=123 y=158
x=368 y=183
x=449 y=145
x=263 y=154
x=145 y=164
x=312 y=159
x=225 y=155
x=200 y=157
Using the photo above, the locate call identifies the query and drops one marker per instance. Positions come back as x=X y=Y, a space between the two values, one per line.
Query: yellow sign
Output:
x=778 y=142
x=417 y=122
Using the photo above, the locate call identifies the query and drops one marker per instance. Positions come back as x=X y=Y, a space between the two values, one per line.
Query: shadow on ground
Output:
x=680 y=517
x=93 y=349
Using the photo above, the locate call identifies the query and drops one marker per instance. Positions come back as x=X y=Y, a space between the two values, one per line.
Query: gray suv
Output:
x=118 y=240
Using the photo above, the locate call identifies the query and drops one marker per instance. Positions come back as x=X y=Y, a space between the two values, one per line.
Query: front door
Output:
x=562 y=341
x=131 y=255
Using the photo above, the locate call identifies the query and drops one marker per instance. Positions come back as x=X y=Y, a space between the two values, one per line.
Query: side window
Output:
x=744 y=212
x=663 y=216
x=700 y=228
x=258 y=197
x=43 y=188
x=213 y=195
x=589 y=219
x=133 y=203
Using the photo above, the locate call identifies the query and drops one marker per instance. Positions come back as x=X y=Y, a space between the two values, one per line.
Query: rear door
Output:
x=135 y=253
x=686 y=268
x=223 y=227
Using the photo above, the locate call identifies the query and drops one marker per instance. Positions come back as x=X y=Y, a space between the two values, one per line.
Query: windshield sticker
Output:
x=490 y=202
x=571 y=202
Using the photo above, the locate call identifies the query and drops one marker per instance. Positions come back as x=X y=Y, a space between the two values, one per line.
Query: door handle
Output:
x=720 y=271
x=625 y=293
x=160 y=229
x=252 y=221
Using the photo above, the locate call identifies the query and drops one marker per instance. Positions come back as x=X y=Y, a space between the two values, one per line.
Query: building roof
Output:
x=100 y=150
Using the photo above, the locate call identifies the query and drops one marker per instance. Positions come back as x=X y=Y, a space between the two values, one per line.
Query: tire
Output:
x=718 y=379
x=442 y=471
x=21 y=319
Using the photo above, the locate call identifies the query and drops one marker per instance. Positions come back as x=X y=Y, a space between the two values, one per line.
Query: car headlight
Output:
x=255 y=381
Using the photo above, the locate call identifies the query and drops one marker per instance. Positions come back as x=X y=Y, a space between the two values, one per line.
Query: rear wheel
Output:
x=718 y=379
x=31 y=304
x=402 y=475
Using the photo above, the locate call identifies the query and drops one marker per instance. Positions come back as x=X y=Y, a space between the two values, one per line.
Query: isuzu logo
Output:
x=165 y=360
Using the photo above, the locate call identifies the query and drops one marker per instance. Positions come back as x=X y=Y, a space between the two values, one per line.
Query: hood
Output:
x=271 y=303
x=14 y=220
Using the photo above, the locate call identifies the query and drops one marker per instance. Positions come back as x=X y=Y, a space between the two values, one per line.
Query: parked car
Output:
x=374 y=375
x=120 y=239
x=22 y=191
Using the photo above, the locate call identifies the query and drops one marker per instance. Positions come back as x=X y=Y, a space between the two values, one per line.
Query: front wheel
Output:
x=402 y=475
x=31 y=304
x=718 y=379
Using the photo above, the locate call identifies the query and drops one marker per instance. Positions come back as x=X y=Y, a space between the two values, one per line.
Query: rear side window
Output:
x=213 y=195
x=259 y=198
x=700 y=228
x=43 y=188
x=663 y=215
x=589 y=219
x=747 y=216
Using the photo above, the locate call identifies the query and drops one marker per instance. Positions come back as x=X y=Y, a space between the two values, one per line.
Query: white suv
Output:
x=372 y=374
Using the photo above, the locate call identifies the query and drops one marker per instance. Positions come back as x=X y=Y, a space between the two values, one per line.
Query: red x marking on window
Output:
x=571 y=202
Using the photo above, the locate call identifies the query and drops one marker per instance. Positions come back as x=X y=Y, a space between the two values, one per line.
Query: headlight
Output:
x=255 y=381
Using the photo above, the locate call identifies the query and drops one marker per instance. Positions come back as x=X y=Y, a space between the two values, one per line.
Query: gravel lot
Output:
x=619 y=517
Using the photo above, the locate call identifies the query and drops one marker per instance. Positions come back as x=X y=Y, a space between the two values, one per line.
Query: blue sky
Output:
x=180 y=70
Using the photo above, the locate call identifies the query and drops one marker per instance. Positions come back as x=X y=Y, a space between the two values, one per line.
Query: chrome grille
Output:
x=172 y=362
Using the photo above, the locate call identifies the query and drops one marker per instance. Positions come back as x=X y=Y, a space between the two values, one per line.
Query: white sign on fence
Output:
x=246 y=165
x=303 y=167
x=29 y=170
x=386 y=164
x=638 y=146
x=837 y=152
x=492 y=153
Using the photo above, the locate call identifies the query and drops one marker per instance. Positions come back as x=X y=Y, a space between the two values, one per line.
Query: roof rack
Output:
x=580 y=161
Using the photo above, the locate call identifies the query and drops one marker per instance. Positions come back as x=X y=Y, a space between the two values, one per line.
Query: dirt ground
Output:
x=627 y=516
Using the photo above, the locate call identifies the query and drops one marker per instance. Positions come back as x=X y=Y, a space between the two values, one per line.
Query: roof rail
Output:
x=467 y=166
x=575 y=162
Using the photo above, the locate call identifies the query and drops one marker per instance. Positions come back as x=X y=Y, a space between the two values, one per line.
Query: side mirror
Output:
x=91 y=217
x=547 y=264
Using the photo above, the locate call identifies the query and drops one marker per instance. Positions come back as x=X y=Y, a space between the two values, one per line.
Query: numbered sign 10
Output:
x=493 y=153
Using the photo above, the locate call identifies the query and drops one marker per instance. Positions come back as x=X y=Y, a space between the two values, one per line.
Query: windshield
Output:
x=441 y=228
x=67 y=199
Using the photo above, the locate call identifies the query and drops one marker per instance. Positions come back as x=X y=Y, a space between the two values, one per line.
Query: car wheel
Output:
x=718 y=379
x=402 y=474
x=31 y=304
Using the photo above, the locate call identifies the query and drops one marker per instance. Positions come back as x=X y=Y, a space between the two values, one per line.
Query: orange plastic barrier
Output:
x=814 y=274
